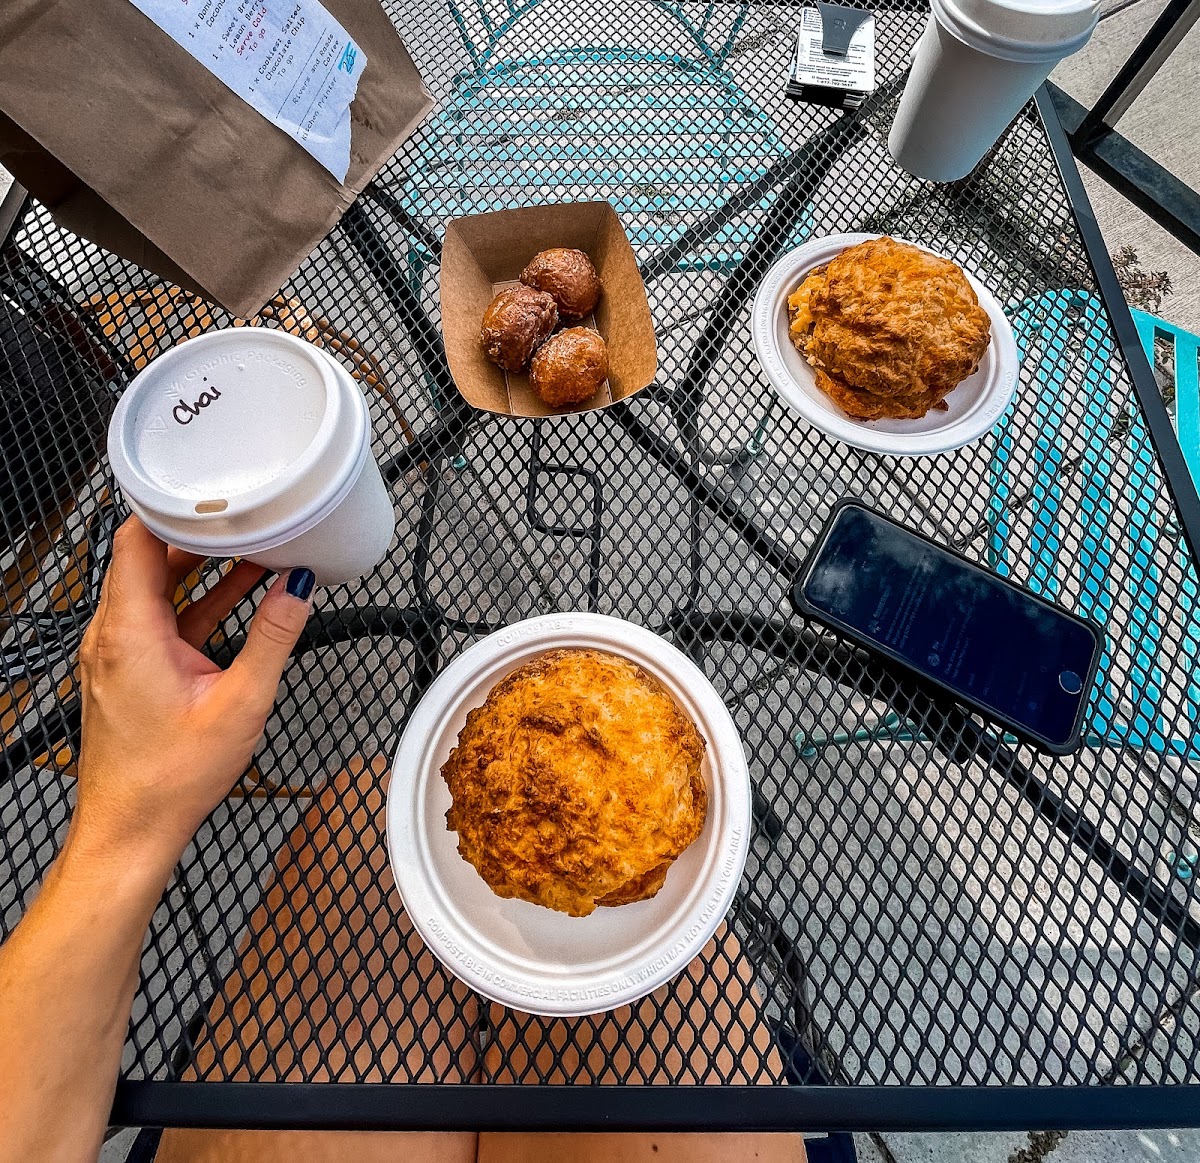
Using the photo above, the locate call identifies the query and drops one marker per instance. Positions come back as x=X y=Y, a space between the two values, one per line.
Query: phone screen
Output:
x=999 y=647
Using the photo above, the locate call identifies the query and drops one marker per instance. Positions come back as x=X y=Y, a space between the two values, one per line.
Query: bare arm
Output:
x=165 y=734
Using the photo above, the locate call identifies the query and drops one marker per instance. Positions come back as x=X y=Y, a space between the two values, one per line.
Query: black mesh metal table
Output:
x=937 y=926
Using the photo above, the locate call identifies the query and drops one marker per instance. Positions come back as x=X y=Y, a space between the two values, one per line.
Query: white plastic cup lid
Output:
x=1020 y=30
x=238 y=440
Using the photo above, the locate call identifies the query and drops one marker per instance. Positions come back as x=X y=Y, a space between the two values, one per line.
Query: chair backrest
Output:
x=1098 y=484
x=53 y=419
x=1183 y=367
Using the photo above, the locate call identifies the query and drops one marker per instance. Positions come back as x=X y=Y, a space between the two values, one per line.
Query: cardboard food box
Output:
x=484 y=253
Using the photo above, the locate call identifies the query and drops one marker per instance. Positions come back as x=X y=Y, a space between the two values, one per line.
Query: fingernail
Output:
x=300 y=583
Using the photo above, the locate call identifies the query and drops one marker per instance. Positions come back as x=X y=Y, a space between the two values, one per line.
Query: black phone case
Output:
x=1021 y=731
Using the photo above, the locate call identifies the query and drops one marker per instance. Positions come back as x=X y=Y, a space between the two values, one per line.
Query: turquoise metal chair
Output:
x=700 y=148
x=1046 y=329
x=1115 y=471
x=662 y=135
x=665 y=136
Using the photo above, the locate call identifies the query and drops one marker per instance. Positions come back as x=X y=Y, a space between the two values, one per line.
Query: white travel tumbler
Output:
x=250 y=442
x=975 y=66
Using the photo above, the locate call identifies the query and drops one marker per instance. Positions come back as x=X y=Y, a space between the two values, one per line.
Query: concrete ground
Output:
x=1162 y=123
x=1053 y=1146
x=1154 y=123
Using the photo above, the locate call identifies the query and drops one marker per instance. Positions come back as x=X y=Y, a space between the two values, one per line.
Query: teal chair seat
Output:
x=662 y=130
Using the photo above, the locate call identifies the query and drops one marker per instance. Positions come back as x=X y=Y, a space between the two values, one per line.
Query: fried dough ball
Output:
x=890 y=328
x=517 y=320
x=569 y=367
x=569 y=276
x=577 y=783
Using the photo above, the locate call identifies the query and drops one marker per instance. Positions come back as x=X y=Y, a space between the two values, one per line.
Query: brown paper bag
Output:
x=134 y=144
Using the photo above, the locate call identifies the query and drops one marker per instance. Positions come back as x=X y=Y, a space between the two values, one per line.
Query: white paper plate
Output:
x=973 y=407
x=523 y=955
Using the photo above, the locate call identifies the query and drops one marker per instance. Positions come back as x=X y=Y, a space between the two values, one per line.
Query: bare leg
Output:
x=303 y=995
x=709 y=1031
x=703 y=1028
x=194 y=1146
x=679 y=1148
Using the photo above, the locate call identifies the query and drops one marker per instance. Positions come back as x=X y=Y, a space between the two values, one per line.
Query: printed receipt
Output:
x=289 y=59
x=854 y=72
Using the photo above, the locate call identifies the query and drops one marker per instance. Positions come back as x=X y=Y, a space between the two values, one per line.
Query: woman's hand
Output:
x=167 y=732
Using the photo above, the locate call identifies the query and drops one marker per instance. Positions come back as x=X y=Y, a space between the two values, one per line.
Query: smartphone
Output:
x=1017 y=659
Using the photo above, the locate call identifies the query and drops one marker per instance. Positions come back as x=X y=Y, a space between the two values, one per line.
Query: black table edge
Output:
x=1166 y=445
x=413 y=1107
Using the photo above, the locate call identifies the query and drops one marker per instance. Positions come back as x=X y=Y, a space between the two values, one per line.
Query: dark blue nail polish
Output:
x=300 y=583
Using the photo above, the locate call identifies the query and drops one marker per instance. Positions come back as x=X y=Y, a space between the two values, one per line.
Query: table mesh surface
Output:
x=925 y=901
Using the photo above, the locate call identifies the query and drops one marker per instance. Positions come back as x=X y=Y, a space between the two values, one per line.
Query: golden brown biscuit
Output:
x=517 y=320
x=893 y=328
x=569 y=367
x=640 y=888
x=577 y=783
x=569 y=276
x=800 y=307
x=866 y=406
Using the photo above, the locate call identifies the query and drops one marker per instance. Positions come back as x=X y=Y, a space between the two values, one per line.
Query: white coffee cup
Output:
x=975 y=66
x=252 y=443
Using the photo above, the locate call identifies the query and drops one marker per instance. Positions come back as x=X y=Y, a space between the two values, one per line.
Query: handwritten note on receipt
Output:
x=289 y=59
